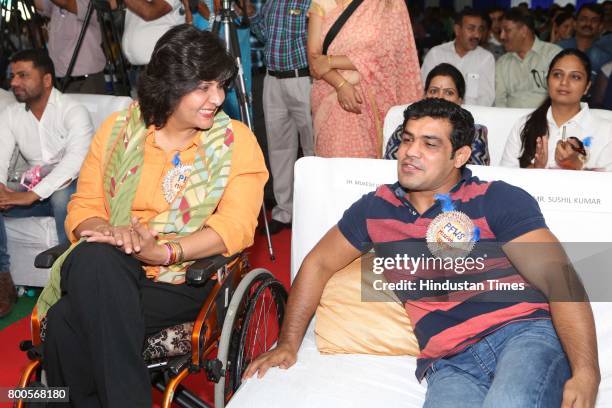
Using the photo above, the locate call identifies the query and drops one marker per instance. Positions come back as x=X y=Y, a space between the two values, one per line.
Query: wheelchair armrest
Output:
x=202 y=269
x=45 y=259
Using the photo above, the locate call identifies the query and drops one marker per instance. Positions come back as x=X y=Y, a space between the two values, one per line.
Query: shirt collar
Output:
x=54 y=100
x=582 y=119
x=150 y=139
x=537 y=45
x=454 y=50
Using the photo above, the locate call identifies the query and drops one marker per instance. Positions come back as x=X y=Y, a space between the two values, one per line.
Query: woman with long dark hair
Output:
x=562 y=132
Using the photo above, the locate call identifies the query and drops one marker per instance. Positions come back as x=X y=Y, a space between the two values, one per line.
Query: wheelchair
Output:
x=239 y=320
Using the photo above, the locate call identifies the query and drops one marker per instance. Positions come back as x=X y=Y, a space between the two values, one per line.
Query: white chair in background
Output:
x=27 y=237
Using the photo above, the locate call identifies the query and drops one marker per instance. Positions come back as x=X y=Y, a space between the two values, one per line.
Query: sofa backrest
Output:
x=499 y=123
x=577 y=205
x=101 y=106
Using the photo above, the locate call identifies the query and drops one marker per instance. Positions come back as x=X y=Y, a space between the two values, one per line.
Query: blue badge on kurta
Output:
x=175 y=178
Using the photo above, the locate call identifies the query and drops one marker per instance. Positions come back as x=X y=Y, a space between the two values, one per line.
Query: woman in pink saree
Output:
x=370 y=66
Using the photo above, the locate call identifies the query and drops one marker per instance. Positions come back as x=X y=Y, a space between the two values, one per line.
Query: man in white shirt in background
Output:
x=475 y=63
x=52 y=131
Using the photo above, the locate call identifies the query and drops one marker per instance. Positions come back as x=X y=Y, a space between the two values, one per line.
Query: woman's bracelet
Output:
x=175 y=253
x=169 y=254
x=341 y=85
x=179 y=256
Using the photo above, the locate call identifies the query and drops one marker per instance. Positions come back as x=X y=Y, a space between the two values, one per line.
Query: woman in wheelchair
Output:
x=446 y=82
x=167 y=181
x=562 y=132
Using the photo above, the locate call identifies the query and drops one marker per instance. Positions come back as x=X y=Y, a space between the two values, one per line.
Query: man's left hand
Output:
x=580 y=391
x=21 y=198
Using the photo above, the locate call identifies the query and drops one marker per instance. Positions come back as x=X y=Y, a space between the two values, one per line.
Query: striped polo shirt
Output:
x=502 y=212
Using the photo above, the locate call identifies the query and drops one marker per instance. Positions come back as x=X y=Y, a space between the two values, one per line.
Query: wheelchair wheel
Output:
x=251 y=327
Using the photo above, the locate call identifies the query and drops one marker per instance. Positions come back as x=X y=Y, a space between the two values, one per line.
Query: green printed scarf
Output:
x=186 y=214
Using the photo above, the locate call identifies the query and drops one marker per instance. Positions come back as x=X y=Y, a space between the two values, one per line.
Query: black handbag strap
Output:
x=337 y=26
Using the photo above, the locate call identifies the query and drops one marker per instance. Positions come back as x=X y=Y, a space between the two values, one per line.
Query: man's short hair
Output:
x=495 y=9
x=563 y=17
x=595 y=8
x=40 y=60
x=460 y=119
x=182 y=58
x=466 y=12
x=518 y=16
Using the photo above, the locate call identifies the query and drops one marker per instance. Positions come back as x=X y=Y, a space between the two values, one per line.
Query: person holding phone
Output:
x=562 y=132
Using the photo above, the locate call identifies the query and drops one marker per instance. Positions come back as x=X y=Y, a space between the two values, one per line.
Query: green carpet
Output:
x=22 y=308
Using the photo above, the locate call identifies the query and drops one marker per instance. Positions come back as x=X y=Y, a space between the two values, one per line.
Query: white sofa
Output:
x=29 y=236
x=324 y=188
x=499 y=122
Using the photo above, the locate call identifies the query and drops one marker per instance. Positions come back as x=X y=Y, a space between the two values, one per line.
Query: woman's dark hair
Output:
x=447 y=70
x=182 y=58
x=537 y=124
x=563 y=17
x=460 y=119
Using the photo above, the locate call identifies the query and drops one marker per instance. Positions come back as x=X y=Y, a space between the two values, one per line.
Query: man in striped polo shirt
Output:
x=531 y=353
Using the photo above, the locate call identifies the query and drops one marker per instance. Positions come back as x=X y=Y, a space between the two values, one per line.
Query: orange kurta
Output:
x=235 y=217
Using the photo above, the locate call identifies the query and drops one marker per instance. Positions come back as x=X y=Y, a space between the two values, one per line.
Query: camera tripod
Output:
x=225 y=19
x=16 y=16
x=117 y=62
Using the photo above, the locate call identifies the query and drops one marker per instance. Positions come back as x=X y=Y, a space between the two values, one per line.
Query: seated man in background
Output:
x=487 y=41
x=520 y=74
x=589 y=24
x=474 y=352
x=475 y=63
x=589 y=27
x=53 y=133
